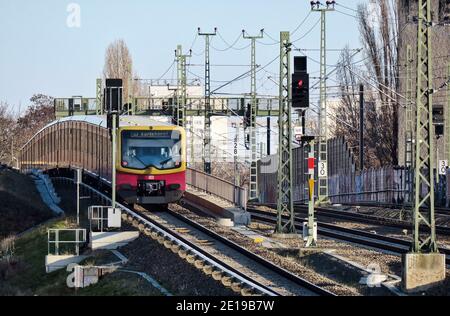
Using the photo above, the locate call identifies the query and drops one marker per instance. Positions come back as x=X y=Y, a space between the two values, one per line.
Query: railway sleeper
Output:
x=191 y=258
x=208 y=269
x=168 y=244
x=217 y=275
x=236 y=287
x=175 y=248
x=199 y=264
x=227 y=281
x=183 y=253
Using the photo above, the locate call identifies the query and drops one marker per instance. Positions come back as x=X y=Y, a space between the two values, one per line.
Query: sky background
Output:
x=41 y=54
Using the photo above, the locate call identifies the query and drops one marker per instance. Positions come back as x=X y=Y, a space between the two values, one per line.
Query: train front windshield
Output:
x=145 y=149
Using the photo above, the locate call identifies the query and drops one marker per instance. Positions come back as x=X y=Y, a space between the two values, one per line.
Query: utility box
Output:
x=305 y=231
x=114 y=217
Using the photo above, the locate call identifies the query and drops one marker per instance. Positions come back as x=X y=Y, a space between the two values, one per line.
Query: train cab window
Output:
x=146 y=149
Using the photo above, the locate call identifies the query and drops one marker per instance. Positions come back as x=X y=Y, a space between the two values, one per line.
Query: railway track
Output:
x=395 y=245
x=258 y=259
x=438 y=210
x=361 y=218
x=210 y=264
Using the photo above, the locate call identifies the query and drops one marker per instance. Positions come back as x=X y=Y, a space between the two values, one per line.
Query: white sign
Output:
x=323 y=169
x=443 y=166
x=298 y=132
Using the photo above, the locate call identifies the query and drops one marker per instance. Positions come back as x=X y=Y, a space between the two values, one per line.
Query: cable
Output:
x=167 y=71
x=348 y=8
x=355 y=17
x=301 y=23
x=229 y=46
x=309 y=31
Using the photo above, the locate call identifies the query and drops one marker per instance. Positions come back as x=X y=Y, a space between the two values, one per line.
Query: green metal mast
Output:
x=447 y=132
x=180 y=110
x=254 y=195
x=285 y=195
x=409 y=134
x=98 y=99
x=323 y=128
x=424 y=152
x=208 y=111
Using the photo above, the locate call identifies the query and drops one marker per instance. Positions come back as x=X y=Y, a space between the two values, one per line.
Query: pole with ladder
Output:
x=285 y=203
x=409 y=134
x=254 y=195
x=323 y=128
x=180 y=112
x=447 y=121
x=208 y=111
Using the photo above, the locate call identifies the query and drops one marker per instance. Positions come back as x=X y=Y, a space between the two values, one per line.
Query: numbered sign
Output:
x=298 y=132
x=443 y=166
x=323 y=169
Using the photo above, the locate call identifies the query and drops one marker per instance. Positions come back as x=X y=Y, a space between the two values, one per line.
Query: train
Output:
x=150 y=159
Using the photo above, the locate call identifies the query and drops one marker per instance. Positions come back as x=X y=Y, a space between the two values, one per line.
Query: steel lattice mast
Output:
x=254 y=195
x=180 y=110
x=447 y=132
x=285 y=194
x=323 y=128
x=208 y=112
x=409 y=133
x=424 y=150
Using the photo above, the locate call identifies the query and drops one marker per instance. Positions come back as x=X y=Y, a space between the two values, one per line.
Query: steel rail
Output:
x=175 y=238
x=361 y=218
x=395 y=245
x=266 y=263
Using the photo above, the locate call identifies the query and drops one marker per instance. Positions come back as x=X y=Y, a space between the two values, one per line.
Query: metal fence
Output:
x=346 y=184
x=218 y=187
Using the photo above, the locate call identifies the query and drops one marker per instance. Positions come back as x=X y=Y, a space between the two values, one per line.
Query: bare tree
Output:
x=119 y=65
x=379 y=28
x=39 y=113
x=7 y=122
x=348 y=115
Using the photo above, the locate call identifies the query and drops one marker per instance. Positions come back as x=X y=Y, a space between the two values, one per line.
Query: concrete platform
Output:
x=54 y=263
x=258 y=238
x=422 y=271
x=225 y=213
x=111 y=240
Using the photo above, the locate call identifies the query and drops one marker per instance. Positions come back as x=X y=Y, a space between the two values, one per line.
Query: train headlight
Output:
x=174 y=187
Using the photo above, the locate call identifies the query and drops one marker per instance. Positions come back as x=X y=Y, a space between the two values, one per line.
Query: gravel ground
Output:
x=146 y=255
x=230 y=256
x=316 y=268
x=176 y=275
x=284 y=261
x=441 y=220
x=443 y=241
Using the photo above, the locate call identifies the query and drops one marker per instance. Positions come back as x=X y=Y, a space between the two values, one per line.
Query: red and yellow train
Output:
x=151 y=155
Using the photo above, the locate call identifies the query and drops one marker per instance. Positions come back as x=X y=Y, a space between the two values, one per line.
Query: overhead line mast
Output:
x=180 y=110
x=254 y=194
x=323 y=128
x=208 y=111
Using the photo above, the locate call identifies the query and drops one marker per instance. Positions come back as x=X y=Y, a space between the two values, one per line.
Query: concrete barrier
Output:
x=111 y=240
x=54 y=263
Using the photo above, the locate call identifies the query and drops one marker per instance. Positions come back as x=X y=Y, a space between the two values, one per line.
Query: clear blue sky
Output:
x=40 y=54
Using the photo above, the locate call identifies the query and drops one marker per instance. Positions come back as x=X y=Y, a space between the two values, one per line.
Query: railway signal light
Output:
x=438 y=119
x=247 y=116
x=300 y=83
x=113 y=95
x=300 y=90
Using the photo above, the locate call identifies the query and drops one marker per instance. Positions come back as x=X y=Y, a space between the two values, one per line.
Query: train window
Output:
x=145 y=149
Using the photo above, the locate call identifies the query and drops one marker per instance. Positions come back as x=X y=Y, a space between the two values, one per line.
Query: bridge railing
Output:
x=218 y=187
